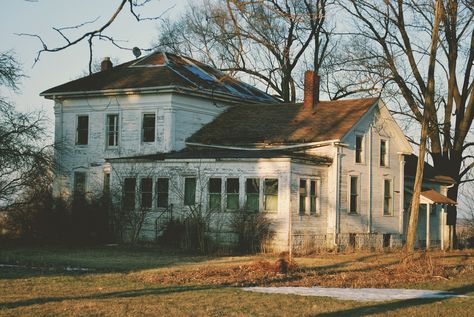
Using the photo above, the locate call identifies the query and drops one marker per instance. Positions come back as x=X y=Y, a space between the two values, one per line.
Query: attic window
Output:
x=359 y=149
x=82 y=136
x=383 y=152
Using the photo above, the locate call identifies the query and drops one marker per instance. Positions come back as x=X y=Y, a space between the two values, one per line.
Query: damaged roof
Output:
x=162 y=70
x=284 y=123
x=193 y=153
x=429 y=172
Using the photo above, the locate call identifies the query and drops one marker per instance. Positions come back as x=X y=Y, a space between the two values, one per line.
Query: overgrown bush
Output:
x=253 y=230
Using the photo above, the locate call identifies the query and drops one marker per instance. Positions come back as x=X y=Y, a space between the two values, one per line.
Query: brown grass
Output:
x=415 y=268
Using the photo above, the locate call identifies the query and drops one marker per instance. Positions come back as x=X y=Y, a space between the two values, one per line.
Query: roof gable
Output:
x=162 y=70
x=283 y=123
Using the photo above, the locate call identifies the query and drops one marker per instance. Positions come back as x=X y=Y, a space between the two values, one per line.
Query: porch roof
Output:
x=433 y=197
x=218 y=154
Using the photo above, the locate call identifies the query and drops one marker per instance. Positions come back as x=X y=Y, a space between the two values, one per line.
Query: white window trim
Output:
x=362 y=156
x=262 y=181
x=142 y=130
x=359 y=194
x=76 y=131
x=107 y=146
x=308 y=180
x=392 y=192
x=387 y=151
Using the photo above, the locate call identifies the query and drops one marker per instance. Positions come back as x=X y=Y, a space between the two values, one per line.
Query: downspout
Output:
x=338 y=187
x=402 y=195
x=369 y=216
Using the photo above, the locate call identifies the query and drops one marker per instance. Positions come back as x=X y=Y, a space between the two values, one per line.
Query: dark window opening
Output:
x=386 y=240
x=252 y=190
x=162 y=192
x=215 y=194
x=82 y=130
x=146 y=189
x=303 y=194
x=354 y=194
x=129 y=193
x=359 y=149
x=232 y=191
x=189 y=191
x=352 y=240
x=148 y=127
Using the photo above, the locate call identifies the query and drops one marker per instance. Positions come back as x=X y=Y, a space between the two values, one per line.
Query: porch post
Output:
x=428 y=208
x=441 y=220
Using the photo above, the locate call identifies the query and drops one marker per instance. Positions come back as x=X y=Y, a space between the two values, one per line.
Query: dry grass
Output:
x=153 y=282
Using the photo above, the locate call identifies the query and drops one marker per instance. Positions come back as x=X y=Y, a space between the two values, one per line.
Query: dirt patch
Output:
x=416 y=268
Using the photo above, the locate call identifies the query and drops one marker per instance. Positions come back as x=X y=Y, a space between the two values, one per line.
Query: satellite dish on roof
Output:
x=137 y=52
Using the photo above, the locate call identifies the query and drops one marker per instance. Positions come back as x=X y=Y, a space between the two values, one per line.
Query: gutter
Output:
x=150 y=90
x=269 y=148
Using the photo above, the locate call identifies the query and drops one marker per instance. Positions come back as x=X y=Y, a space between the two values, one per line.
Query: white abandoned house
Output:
x=171 y=132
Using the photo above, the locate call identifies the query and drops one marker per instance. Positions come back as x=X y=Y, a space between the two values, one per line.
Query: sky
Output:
x=40 y=16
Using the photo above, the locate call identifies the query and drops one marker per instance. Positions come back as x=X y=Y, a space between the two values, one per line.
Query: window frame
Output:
x=76 y=193
x=143 y=127
x=185 y=202
x=133 y=194
x=349 y=195
x=78 y=130
x=232 y=195
x=158 y=193
x=211 y=194
x=384 y=161
x=116 y=132
x=391 y=192
x=303 y=196
x=148 y=192
x=265 y=194
x=317 y=197
x=362 y=149
x=257 y=194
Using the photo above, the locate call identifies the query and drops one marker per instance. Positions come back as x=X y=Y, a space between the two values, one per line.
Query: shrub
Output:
x=253 y=230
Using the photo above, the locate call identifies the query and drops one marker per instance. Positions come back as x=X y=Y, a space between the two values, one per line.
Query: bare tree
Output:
x=423 y=51
x=22 y=152
x=265 y=39
x=91 y=33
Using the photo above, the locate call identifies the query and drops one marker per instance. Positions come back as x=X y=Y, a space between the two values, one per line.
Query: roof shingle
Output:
x=163 y=70
x=283 y=123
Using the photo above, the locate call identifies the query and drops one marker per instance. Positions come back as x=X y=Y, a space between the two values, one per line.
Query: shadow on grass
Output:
x=391 y=306
x=120 y=294
x=56 y=260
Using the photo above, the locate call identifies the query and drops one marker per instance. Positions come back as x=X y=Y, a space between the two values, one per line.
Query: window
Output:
x=359 y=149
x=215 y=195
x=232 y=193
x=386 y=240
x=383 y=153
x=162 y=192
x=189 y=191
x=79 y=185
x=354 y=194
x=112 y=129
x=270 y=191
x=146 y=191
x=303 y=194
x=82 y=134
x=387 y=197
x=129 y=193
x=148 y=133
x=252 y=191
x=106 y=183
x=313 y=197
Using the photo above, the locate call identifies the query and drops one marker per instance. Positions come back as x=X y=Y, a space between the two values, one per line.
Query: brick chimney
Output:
x=106 y=64
x=311 y=89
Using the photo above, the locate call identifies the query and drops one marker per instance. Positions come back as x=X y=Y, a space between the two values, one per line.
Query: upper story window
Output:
x=112 y=129
x=387 y=197
x=270 y=194
x=252 y=194
x=383 y=152
x=162 y=192
x=359 y=149
x=354 y=194
x=128 y=200
x=215 y=194
x=189 y=191
x=82 y=132
x=232 y=193
x=148 y=129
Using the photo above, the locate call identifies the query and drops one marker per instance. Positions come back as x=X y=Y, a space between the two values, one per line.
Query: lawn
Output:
x=156 y=282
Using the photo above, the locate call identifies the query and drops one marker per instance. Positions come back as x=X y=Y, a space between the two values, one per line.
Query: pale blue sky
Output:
x=38 y=17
